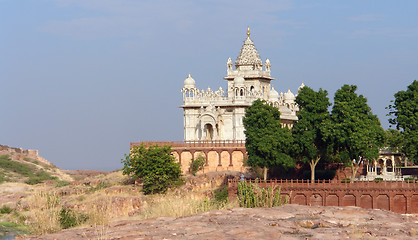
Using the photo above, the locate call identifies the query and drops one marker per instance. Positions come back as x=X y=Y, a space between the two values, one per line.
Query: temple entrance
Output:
x=208 y=129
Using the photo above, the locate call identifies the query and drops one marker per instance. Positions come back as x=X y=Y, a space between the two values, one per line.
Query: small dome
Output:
x=274 y=95
x=268 y=64
x=189 y=82
x=300 y=87
x=289 y=97
x=239 y=81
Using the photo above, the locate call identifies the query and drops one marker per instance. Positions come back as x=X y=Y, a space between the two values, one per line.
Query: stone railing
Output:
x=334 y=184
x=194 y=144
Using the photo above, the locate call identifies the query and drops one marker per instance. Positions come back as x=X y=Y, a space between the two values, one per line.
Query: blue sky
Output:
x=80 y=79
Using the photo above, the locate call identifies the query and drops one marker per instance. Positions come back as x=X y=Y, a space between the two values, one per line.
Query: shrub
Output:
x=68 y=218
x=345 y=180
x=155 y=165
x=60 y=183
x=39 y=177
x=24 y=170
x=250 y=196
x=221 y=195
x=99 y=186
x=3 y=178
x=409 y=180
x=9 y=165
x=378 y=180
x=197 y=164
x=5 y=209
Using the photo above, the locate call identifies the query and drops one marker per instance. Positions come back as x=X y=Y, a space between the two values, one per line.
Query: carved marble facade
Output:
x=217 y=115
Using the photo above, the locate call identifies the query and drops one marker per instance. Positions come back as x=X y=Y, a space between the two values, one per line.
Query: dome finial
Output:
x=248 y=32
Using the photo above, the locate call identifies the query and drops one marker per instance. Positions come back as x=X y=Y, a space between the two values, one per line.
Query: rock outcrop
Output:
x=285 y=222
x=32 y=157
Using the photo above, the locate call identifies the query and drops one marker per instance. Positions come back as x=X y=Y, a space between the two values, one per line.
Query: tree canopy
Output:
x=154 y=165
x=355 y=131
x=309 y=132
x=267 y=143
x=405 y=117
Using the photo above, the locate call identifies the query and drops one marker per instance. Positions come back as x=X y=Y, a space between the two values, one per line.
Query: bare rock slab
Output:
x=285 y=222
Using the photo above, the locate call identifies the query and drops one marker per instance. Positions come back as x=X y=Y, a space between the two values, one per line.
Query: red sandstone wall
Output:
x=399 y=197
x=219 y=155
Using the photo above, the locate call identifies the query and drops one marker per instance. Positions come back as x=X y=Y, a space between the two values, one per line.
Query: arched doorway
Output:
x=208 y=129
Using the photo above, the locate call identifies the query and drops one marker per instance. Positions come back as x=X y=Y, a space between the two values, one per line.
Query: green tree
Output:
x=393 y=140
x=267 y=143
x=154 y=165
x=309 y=132
x=197 y=164
x=356 y=132
x=405 y=117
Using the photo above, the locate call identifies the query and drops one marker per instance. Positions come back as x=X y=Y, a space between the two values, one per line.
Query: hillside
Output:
x=18 y=165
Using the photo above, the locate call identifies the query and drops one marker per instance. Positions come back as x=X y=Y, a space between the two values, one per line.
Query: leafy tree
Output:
x=309 y=132
x=405 y=118
x=267 y=143
x=393 y=140
x=197 y=164
x=356 y=132
x=154 y=165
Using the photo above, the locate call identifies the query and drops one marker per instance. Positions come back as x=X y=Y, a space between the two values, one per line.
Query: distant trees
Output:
x=309 y=132
x=267 y=143
x=355 y=132
x=405 y=118
x=154 y=165
x=351 y=134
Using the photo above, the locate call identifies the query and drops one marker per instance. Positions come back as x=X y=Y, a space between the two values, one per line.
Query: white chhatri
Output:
x=212 y=115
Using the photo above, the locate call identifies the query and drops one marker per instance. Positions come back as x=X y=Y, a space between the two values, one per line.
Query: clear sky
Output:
x=81 y=79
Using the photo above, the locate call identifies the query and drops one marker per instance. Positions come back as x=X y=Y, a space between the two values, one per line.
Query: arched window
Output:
x=242 y=92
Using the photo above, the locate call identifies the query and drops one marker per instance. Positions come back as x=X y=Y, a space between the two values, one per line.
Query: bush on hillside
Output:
x=197 y=164
x=155 y=166
x=25 y=170
x=39 y=177
x=221 y=195
x=68 y=218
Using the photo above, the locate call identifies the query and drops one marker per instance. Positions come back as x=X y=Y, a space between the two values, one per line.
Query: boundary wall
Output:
x=396 y=196
x=220 y=155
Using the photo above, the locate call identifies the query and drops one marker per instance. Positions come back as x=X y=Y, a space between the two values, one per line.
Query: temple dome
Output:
x=301 y=86
x=248 y=54
x=239 y=81
x=189 y=82
x=274 y=95
x=289 y=97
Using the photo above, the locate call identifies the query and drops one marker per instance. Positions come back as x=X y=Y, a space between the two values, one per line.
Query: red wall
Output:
x=399 y=197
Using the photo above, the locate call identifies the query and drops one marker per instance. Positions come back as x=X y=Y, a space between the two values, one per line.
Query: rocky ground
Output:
x=285 y=222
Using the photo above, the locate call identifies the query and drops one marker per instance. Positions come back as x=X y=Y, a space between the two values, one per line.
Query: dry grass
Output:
x=100 y=211
x=172 y=205
x=43 y=212
x=114 y=178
